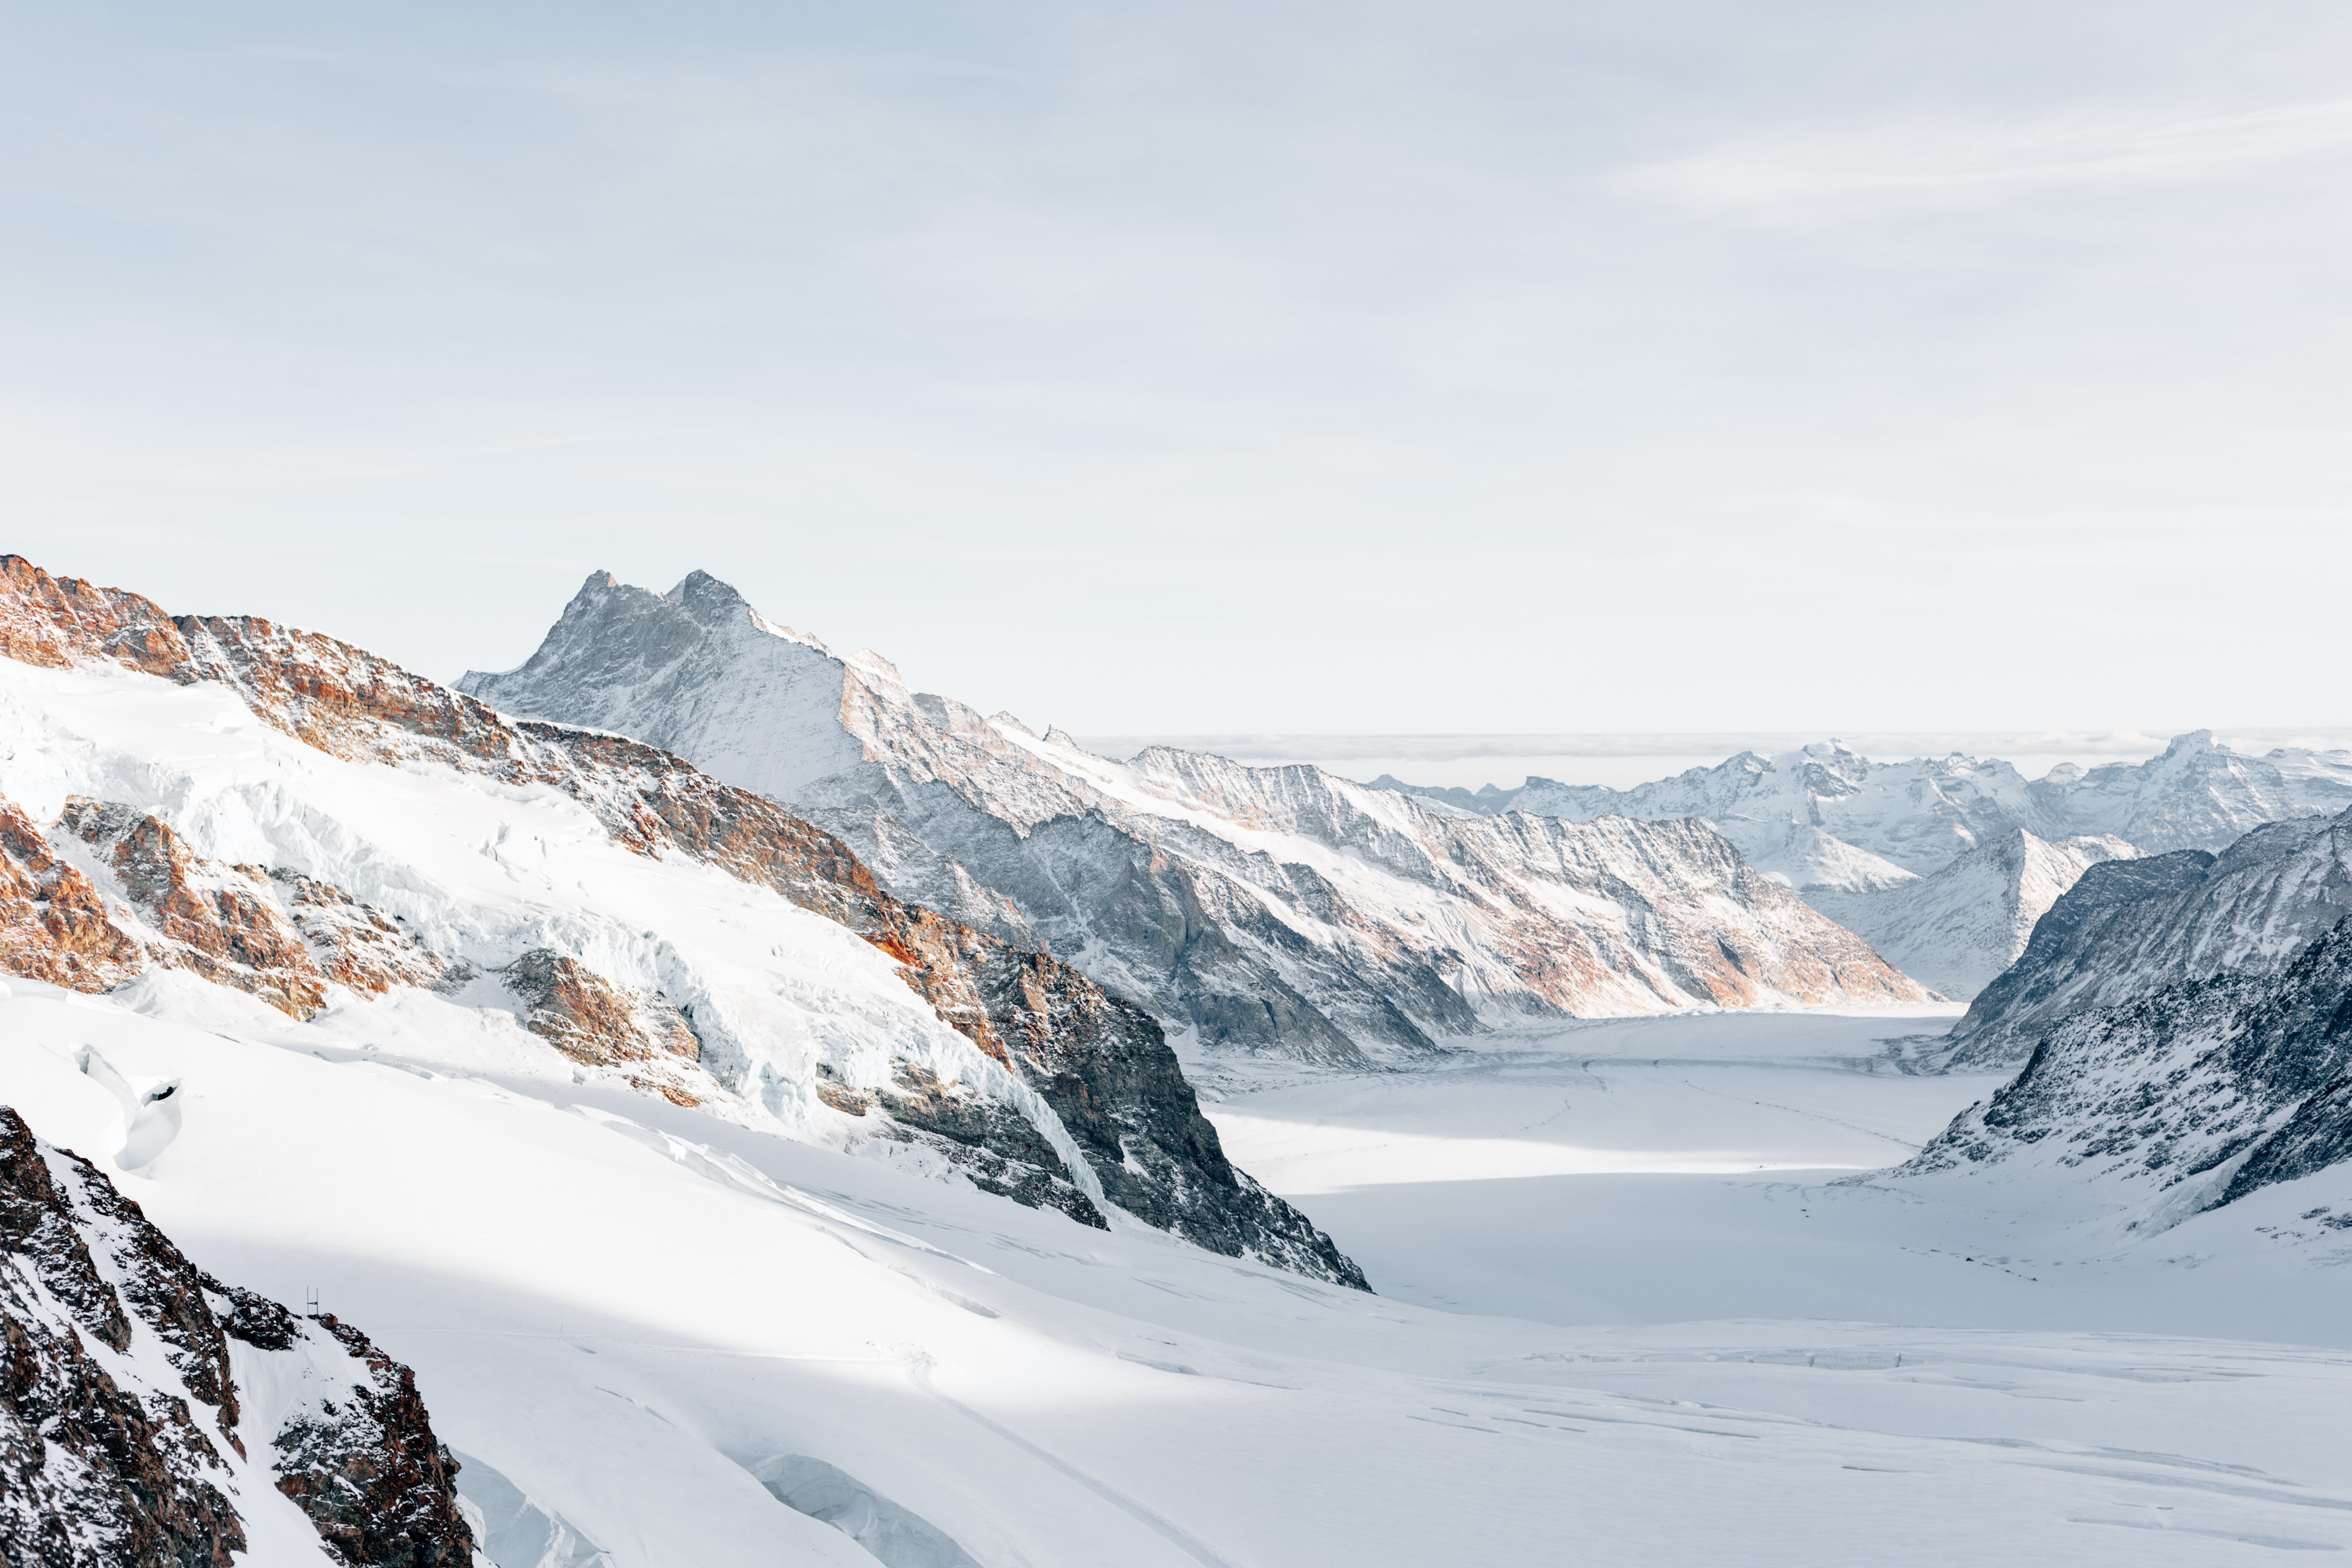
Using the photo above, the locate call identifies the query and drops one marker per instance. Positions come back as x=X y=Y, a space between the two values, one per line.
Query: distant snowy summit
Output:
x=1943 y=864
x=1280 y=909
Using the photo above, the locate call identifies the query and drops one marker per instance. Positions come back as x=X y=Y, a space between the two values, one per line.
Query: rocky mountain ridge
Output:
x=1277 y=910
x=566 y=877
x=149 y=1409
x=2184 y=1098
x=2130 y=926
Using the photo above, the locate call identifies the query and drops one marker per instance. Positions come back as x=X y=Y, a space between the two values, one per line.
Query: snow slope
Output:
x=1957 y=927
x=1274 y=908
x=629 y=1315
x=1674 y=1170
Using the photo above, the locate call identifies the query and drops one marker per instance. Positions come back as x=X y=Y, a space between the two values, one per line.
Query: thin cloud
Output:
x=1927 y=162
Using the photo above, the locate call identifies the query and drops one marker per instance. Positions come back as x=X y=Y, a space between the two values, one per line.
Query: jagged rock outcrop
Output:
x=53 y=921
x=2127 y=927
x=147 y=901
x=1957 y=929
x=598 y=1024
x=2190 y=1095
x=616 y=991
x=126 y=1440
x=1265 y=908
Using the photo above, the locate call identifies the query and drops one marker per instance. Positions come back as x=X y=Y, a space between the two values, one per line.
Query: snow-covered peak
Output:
x=1261 y=907
x=1958 y=929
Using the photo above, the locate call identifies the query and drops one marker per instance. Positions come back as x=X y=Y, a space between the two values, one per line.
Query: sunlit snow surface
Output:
x=622 y=1308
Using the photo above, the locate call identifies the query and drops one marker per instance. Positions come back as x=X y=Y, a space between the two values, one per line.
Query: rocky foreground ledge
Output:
x=129 y=1431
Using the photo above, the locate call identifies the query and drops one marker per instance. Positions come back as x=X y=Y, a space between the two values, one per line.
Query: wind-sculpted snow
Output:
x=1960 y=926
x=1265 y=908
x=1824 y=817
x=323 y=826
x=2130 y=926
x=2192 y=1095
x=135 y=1380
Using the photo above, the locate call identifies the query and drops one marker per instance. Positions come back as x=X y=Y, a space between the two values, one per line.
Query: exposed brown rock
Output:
x=53 y=923
x=592 y=1020
x=349 y=702
x=92 y=1474
x=601 y=1025
x=366 y=1468
x=278 y=936
x=355 y=945
x=217 y=921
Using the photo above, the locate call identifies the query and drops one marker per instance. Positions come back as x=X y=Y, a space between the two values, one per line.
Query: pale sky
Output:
x=1225 y=368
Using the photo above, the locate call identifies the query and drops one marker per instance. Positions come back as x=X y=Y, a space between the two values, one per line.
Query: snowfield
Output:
x=627 y=1314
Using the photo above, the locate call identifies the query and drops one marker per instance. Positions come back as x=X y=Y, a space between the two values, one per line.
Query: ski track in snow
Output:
x=1182 y=1539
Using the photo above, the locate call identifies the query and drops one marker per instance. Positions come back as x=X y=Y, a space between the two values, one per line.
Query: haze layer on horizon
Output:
x=1273 y=369
x=1623 y=761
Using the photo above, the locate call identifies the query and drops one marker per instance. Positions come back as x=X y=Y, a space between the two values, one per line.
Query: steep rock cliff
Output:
x=128 y=1437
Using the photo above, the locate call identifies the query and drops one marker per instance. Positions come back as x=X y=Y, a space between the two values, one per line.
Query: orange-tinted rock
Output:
x=280 y=939
x=214 y=920
x=355 y=945
x=53 y=923
x=592 y=1020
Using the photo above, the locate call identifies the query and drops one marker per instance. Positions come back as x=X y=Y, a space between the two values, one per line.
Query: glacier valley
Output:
x=695 y=1101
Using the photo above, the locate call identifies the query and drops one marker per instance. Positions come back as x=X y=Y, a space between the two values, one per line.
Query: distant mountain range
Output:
x=1280 y=909
x=1943 y=864
x=1825 y=817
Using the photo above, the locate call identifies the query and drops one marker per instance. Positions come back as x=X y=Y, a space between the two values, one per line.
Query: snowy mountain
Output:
x=2179 y=1101
x=2129 y=927
x=1825 y=817
x=1269 y=909
x=1958 y=927
x=229 y=801
x=154 y=1416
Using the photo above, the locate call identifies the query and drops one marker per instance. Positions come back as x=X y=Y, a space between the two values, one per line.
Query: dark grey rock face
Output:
x=1105 y=1068
x=2207 y=1090
x=101 y=1472
x=2129 y=926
